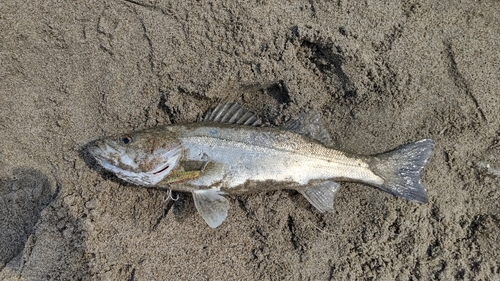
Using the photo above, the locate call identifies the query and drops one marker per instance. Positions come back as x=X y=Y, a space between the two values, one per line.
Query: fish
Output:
x=230 y=152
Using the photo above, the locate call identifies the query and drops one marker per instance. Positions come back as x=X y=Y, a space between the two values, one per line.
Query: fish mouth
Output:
x=97 y=153
x=108 y=155
x=138 y=178
x=100 y=150
x=127 y=168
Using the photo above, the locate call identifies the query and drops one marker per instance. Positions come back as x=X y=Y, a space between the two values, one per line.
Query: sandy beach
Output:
x=381 y=74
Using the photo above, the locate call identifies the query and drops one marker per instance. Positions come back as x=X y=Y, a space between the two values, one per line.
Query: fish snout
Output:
x=97 y=148
x=103 y=152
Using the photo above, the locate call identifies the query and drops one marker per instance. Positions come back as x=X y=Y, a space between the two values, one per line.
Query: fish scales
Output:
x=265 y=137
x=270 y=154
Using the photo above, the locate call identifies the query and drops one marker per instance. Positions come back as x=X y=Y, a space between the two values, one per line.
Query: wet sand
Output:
x=380 y=74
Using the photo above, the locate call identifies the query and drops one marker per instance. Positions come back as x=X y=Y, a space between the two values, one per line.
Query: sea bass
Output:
x=230 y=153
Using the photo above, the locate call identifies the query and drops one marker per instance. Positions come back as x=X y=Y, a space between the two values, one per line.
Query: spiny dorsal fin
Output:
x=310 y=124
x=232 y=113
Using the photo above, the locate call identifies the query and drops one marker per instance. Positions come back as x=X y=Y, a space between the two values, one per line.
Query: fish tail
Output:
x=402 y=170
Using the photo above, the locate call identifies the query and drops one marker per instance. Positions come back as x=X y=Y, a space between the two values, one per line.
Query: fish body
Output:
x=231 y=155
x=262 y=154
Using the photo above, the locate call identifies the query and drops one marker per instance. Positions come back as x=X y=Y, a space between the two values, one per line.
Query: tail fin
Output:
x=402 y=169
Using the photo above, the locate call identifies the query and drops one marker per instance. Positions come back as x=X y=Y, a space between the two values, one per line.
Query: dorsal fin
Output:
x=232 y=113
x=310 y=124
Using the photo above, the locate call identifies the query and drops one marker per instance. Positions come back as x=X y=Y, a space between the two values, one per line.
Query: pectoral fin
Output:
x=211 y=205
x=180 y=176
x=321 y=195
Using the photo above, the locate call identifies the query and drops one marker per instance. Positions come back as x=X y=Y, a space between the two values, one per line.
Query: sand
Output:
x=380 y=74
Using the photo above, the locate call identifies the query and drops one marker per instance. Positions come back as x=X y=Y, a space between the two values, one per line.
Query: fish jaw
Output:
x=143 y=168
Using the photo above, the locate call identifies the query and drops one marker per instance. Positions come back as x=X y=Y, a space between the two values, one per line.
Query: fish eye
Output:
x=126 y=140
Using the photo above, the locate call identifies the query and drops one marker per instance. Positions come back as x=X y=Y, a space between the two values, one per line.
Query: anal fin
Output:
x=321 y=195
x=211 y=205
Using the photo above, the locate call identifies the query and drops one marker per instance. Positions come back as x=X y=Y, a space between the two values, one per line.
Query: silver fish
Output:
x=228 y=153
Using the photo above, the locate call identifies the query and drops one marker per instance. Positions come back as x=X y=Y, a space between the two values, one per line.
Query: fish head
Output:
x=142 y=158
